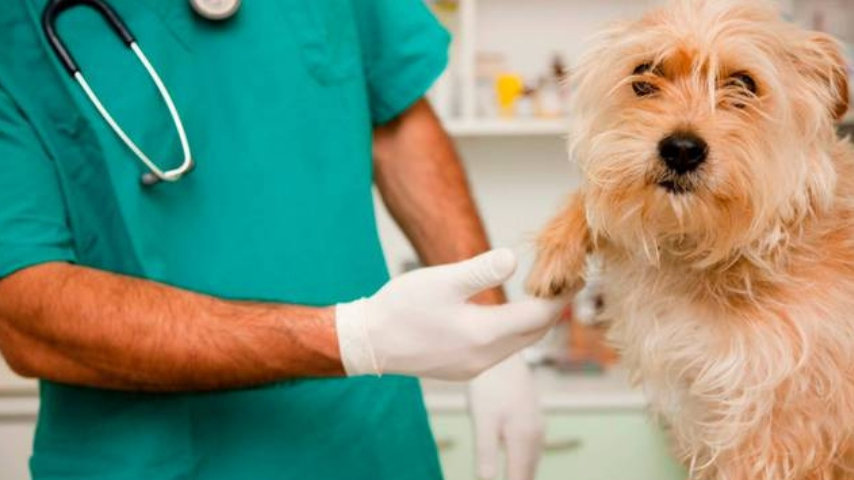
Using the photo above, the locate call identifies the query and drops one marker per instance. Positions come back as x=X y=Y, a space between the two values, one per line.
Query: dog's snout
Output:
x=683 y=152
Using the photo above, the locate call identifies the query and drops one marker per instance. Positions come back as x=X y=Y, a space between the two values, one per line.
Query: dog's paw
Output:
x=562 y=249
x=553 y=276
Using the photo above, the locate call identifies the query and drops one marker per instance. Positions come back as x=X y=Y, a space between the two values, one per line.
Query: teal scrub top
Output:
x=279 y=104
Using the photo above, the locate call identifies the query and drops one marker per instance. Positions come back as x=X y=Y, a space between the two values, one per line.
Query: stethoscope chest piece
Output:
x=215 y=9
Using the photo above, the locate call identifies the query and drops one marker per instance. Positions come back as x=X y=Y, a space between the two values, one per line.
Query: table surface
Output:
x=558 y=392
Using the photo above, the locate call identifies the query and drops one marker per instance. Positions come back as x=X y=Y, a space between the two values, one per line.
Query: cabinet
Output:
x=597 y=445
x=597 y=428
x=16 y=436
x=18 y=407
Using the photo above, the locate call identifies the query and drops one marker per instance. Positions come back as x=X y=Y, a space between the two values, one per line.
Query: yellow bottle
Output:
x=508 y=88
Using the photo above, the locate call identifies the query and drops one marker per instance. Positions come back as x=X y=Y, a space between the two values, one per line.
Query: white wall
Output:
x=529 y=32
x=518 y=184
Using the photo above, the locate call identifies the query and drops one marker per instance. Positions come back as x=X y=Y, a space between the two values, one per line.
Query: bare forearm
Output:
x=424 y=186
x=78 y=325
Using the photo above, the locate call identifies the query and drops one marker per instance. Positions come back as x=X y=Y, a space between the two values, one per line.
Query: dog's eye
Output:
x=744 y=84
x=744 y=81
x=641 y=88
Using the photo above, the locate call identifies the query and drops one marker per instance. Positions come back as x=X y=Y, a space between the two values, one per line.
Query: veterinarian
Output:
x=238 y=322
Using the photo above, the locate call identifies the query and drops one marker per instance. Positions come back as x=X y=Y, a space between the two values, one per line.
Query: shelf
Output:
x=610 y=391
x=19 y=407
x=514 y=127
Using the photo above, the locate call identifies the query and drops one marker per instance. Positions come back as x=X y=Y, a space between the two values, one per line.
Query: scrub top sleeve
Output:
x=404 y=50
x=33 y=220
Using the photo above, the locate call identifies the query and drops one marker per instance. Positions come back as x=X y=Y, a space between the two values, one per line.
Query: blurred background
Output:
x=504 y=101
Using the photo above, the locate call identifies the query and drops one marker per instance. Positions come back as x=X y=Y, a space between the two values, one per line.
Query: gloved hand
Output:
x=506 y=413
x=421 y=324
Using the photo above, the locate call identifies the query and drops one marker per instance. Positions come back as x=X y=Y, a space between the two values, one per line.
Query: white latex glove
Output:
x=506 y=415
x=421 y=324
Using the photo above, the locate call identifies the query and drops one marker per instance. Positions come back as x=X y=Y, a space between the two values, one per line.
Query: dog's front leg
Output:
x=561 y=251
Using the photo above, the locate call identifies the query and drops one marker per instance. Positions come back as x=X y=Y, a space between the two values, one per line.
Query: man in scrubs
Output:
x=212 y=328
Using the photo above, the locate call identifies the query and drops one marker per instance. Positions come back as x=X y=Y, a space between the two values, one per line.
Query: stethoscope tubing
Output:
x=49 y=17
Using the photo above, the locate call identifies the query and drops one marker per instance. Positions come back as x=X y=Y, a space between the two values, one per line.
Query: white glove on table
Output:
x=506 y=415
x=421 y=323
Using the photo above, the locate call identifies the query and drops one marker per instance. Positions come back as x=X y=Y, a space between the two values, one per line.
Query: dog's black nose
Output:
x=683 y=152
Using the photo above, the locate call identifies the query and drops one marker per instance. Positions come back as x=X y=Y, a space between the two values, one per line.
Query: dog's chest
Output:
x=705 y=370
x=660 y=337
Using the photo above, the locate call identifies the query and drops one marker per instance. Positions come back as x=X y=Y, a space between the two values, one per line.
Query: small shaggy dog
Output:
x=721 y=200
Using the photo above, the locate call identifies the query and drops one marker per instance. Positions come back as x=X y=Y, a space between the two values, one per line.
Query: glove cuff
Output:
x=357 y=353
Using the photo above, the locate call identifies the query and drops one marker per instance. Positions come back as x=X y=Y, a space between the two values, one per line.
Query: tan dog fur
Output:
x=734 y=300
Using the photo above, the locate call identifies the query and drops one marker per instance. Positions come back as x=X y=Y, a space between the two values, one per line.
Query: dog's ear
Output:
x=823 y=62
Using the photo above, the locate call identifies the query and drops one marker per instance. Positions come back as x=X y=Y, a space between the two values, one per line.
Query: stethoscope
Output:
x=210 y=9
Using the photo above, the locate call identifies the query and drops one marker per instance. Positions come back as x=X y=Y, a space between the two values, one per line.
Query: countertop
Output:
x=558 y=393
